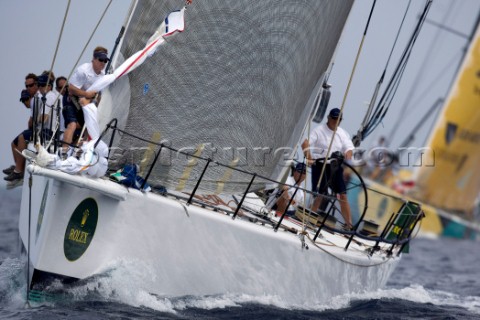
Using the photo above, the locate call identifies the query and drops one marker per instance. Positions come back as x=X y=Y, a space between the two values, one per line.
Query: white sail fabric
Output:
x=237 y=86
x=174 y=22
x=91 y=160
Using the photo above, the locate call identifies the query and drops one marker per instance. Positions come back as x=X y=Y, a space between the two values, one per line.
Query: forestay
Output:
x=239 y=80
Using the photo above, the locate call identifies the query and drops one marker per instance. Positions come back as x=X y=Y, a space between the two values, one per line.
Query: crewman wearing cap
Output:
x=83 y=77
x=281 y=197
x=41 y=102
x=315 y=149
x=42 y=112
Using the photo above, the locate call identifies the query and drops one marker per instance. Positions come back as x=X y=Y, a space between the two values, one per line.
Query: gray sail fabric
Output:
x=238 y=80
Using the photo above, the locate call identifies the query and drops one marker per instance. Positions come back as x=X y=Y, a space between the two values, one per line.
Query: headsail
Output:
x=450 y=178
x=173 y=22
x=238 y=81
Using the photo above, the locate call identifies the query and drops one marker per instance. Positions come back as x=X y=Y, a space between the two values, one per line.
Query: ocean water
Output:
x=439 y=279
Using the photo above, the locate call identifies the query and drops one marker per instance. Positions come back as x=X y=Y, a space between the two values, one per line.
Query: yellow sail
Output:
x=451 y=178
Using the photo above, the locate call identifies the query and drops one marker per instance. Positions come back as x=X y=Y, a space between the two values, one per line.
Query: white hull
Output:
x=188 y=249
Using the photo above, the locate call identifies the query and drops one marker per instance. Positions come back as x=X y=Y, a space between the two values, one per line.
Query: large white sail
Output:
x=238 y=81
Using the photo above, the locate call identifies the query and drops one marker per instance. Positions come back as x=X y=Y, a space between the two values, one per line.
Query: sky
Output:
x=428 y=75
x=29 y=31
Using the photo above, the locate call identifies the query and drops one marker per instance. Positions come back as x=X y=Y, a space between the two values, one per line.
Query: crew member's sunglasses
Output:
x=103 y=60
x=30 y=85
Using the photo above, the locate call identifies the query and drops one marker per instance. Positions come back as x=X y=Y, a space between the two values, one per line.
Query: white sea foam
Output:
x=12 y=283
x=415 y=293
x=126 y=285
x=127 y=282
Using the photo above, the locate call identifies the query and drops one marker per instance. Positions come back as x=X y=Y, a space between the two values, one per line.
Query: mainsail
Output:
x=236 y=86
x=449 y=178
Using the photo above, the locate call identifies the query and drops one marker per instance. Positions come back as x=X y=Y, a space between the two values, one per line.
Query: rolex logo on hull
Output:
x=80 y=229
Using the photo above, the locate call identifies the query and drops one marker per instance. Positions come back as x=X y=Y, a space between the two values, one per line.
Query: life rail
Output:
x=397 y=232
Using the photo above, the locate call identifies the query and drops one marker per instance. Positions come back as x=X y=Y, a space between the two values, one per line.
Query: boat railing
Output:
x=397 y=232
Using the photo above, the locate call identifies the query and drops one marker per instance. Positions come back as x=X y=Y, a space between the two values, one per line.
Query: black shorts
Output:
x=71 y=113
x=333 y=175
x=28 y=136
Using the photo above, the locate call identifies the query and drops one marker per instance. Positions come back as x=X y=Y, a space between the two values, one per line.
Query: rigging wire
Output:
x=383 y=104
x=421 y=96
x=342 y=106
x=53 y=64
x=28 y=237
x=59 y=40
x=386 y=99
x=89 y=39
x=433 y=110
x=307 y=128
x=119 y=39
x=425 y=63
x=444 y=27
x=438 y=77
x=358 y=138
x=411 y=135
x=57 y=124
x=81 y=54
x=30 y=180
x=460 y=62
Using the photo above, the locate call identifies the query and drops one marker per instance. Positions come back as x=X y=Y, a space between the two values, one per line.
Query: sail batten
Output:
x=239 y=79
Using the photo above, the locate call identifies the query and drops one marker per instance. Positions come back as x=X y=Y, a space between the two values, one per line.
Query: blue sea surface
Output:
x=439 y=279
